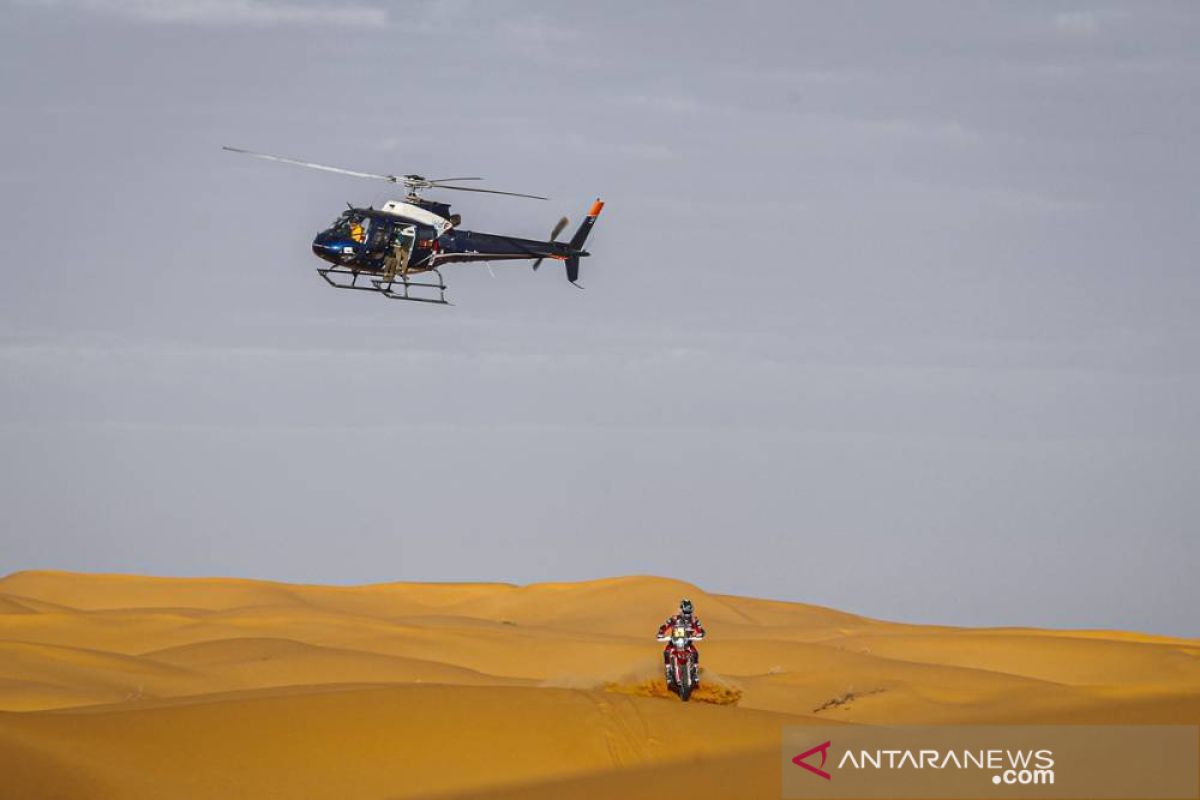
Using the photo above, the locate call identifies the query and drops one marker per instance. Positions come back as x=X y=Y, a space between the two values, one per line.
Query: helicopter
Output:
x=383 y=249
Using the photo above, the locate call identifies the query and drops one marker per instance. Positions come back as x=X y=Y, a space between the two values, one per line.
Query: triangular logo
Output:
x=823 y=749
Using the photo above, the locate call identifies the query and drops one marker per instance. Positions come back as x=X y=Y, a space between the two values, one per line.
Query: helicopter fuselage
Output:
x=417 y=239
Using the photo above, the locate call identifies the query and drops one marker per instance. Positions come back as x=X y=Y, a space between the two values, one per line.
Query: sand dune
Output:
x=123 y=687
x=398 y=741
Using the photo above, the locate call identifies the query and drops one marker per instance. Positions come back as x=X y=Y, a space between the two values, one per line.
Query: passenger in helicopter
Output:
x=400 y=252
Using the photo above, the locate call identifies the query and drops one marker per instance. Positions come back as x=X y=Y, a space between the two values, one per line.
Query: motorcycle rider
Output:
x=687 y=620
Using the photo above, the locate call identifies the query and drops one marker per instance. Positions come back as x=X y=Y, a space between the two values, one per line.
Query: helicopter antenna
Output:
x=415 y=184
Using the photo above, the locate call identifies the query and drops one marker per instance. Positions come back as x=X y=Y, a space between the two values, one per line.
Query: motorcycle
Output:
x=682 y=677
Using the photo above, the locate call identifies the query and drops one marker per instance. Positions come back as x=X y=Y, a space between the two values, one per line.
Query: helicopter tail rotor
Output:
x=558 y=228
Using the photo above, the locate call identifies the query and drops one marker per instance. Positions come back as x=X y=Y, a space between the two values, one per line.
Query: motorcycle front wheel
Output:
x=686 y=686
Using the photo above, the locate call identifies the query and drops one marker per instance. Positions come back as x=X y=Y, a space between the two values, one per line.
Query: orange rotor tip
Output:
x=596 y=208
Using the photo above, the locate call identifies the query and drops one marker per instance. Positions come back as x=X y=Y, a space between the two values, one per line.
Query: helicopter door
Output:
x=377 y=235
x=404 y=240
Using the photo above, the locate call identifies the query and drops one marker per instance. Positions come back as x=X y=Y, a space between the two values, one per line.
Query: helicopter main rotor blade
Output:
x=311 y=165
x=490 y=191
x=414 y=182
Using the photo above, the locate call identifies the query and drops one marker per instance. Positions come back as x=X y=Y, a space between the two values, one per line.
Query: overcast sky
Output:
x=892 y=307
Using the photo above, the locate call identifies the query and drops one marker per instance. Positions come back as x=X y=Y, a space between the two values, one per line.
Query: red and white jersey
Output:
x=691 y=624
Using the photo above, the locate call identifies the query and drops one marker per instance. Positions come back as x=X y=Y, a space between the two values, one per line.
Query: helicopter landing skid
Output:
x=395 y=288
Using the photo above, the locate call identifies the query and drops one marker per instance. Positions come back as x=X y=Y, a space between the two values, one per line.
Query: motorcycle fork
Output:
x=679 y=665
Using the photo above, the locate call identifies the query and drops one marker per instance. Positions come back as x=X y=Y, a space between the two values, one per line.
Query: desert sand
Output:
x=115 y=686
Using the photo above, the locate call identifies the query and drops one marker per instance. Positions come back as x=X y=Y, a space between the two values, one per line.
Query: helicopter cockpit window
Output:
x=350 y=225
